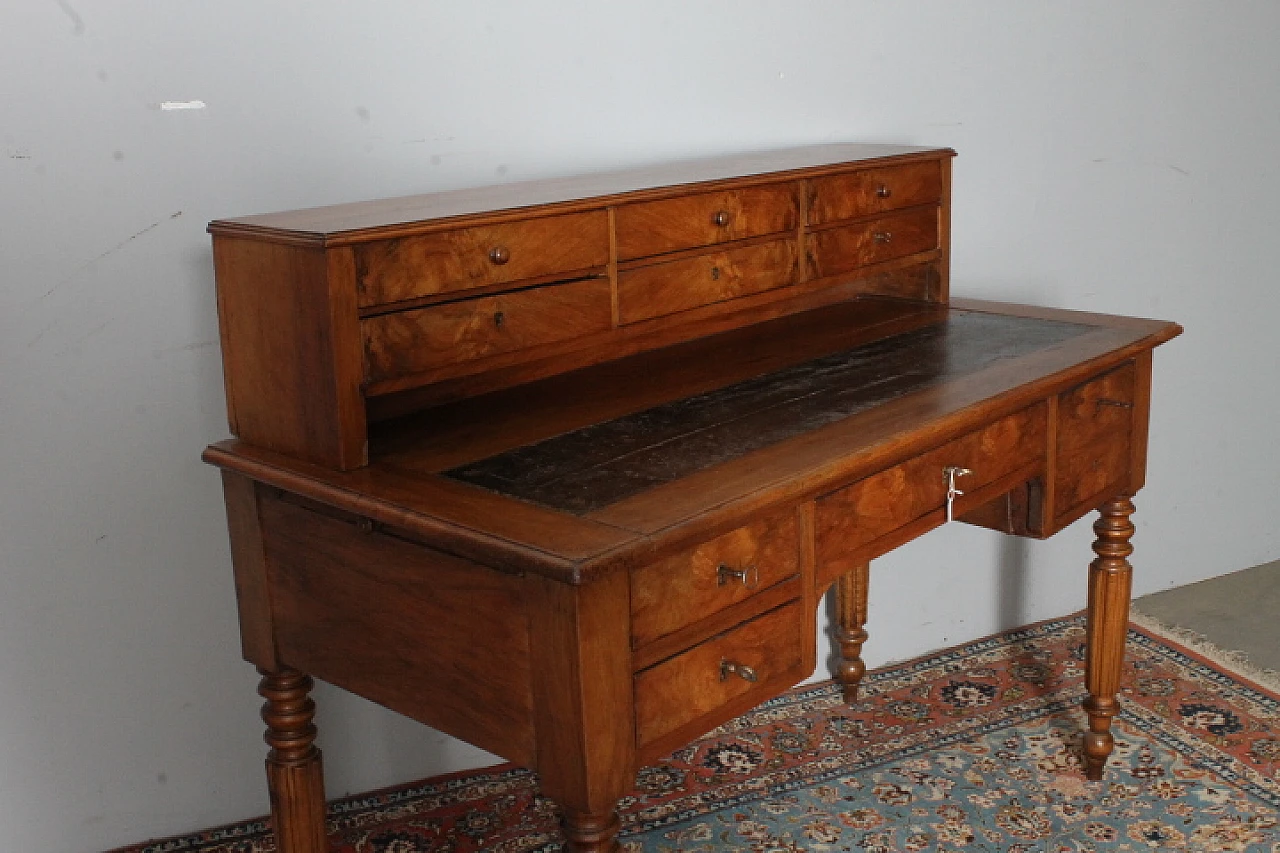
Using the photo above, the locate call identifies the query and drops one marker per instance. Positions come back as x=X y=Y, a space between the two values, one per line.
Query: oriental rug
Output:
x=971 y=749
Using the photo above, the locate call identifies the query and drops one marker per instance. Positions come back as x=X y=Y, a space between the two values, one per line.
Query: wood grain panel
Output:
x=447 y=261
x=838 y=250
x=689 y=688
x=704 y=219
x=404 y=626
x=716 y=277
x=290 y=350
x=1095 y=429
x=857 y=515
x=418 y=339
x=870 y=191
x=681 y=589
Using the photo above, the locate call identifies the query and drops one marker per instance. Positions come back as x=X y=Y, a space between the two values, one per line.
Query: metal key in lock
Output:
x=951 y=472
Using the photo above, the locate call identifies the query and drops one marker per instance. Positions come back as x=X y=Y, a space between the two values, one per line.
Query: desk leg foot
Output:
x=851 y=633
x=1110 y=578
x=591 y=833
x=295 y=778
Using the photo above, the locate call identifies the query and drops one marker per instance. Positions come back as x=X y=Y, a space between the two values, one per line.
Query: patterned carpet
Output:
x=971 y=749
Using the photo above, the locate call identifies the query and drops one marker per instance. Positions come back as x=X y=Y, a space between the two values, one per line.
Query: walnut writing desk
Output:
x=564 y=468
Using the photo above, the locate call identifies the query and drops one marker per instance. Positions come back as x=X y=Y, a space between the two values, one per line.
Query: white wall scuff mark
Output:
x=182 y=105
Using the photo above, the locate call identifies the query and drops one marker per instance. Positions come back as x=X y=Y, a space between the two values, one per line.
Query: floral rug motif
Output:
x=972 y=749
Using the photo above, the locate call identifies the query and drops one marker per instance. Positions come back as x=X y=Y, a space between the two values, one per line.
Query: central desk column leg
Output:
x=851 y=633
x=295 y=778
x=581 y=638
x=1110 y=577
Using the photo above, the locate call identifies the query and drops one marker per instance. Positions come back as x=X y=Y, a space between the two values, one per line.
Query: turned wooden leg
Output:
x=591 y=833
x=851 y=613
x=295 y=778
x=1110 y=577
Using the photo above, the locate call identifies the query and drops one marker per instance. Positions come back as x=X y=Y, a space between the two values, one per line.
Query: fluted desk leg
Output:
x=295 y=778
x=851 y=633
x=1110 y=577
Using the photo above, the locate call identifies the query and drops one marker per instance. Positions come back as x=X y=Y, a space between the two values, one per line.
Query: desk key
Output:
x=951 y=472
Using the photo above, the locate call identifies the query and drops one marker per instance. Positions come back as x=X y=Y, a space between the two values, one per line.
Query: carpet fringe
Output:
x=1235 y=661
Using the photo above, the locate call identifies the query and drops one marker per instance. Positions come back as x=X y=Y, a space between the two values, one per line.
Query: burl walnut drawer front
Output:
x=896 y=235
x=412 y=267
x=1095 y=429
x=666 y=288
x=743 y=661
x=657 y=227
x=421 y=339
x=849 y=520
x=871 y=191
x=678 y=591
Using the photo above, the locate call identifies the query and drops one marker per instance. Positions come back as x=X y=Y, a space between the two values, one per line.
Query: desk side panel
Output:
x=437 y=638
x=291 y=350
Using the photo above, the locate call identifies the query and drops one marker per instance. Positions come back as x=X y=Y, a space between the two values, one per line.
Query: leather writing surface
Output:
x=595 y=466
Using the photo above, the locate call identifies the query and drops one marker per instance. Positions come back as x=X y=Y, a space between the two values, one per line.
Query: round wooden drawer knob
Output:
x=499 y=255
x=722 y=218
x=883 y=192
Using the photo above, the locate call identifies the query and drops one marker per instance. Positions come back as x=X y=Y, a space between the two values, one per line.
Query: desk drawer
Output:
x=1095 y=433
x=871 y=191
x=747 y=661
x=897 y=235
x=849 y=520
x=412 y=267
x=424 y=338
x=657 y=227
x=680 y=590
x=661 y=289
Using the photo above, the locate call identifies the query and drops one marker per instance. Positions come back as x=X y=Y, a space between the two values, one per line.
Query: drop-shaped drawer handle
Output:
x=722 y=218
x=882 y=236
x=883 y=192
x=715 y=273
x=748 y=576
x=499 y=255
x=499 y=318
x=728 y=668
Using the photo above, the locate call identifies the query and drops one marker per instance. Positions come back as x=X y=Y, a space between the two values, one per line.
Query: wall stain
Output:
x=77 y=23
x=108 y=253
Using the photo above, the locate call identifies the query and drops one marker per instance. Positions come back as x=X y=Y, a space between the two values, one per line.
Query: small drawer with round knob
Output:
x=717 y=276
x=867 y=192
x=844 y=248
x=721 y=676
x=444 y=262
x=677 y=591
x=657 y=227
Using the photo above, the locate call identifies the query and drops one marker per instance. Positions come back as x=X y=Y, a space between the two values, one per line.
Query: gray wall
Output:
x=1113 y=157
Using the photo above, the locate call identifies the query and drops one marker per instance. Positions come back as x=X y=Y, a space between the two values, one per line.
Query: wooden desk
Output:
x=564 y=469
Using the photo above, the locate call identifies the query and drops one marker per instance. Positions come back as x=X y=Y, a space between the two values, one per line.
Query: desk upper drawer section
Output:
x=422 y=339
x=867 y=192
x=571 y=245
x=705 y=219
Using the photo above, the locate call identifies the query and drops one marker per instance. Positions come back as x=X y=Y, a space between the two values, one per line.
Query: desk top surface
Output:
x=573 y=470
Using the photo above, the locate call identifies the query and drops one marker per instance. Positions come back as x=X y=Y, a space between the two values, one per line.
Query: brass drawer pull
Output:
x=883 y=191
x=749 y=577
x=499 y=255
x=722 y=218
x=1119 y=404
x=728 y=668
x=882 y=236
x=951 y=472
